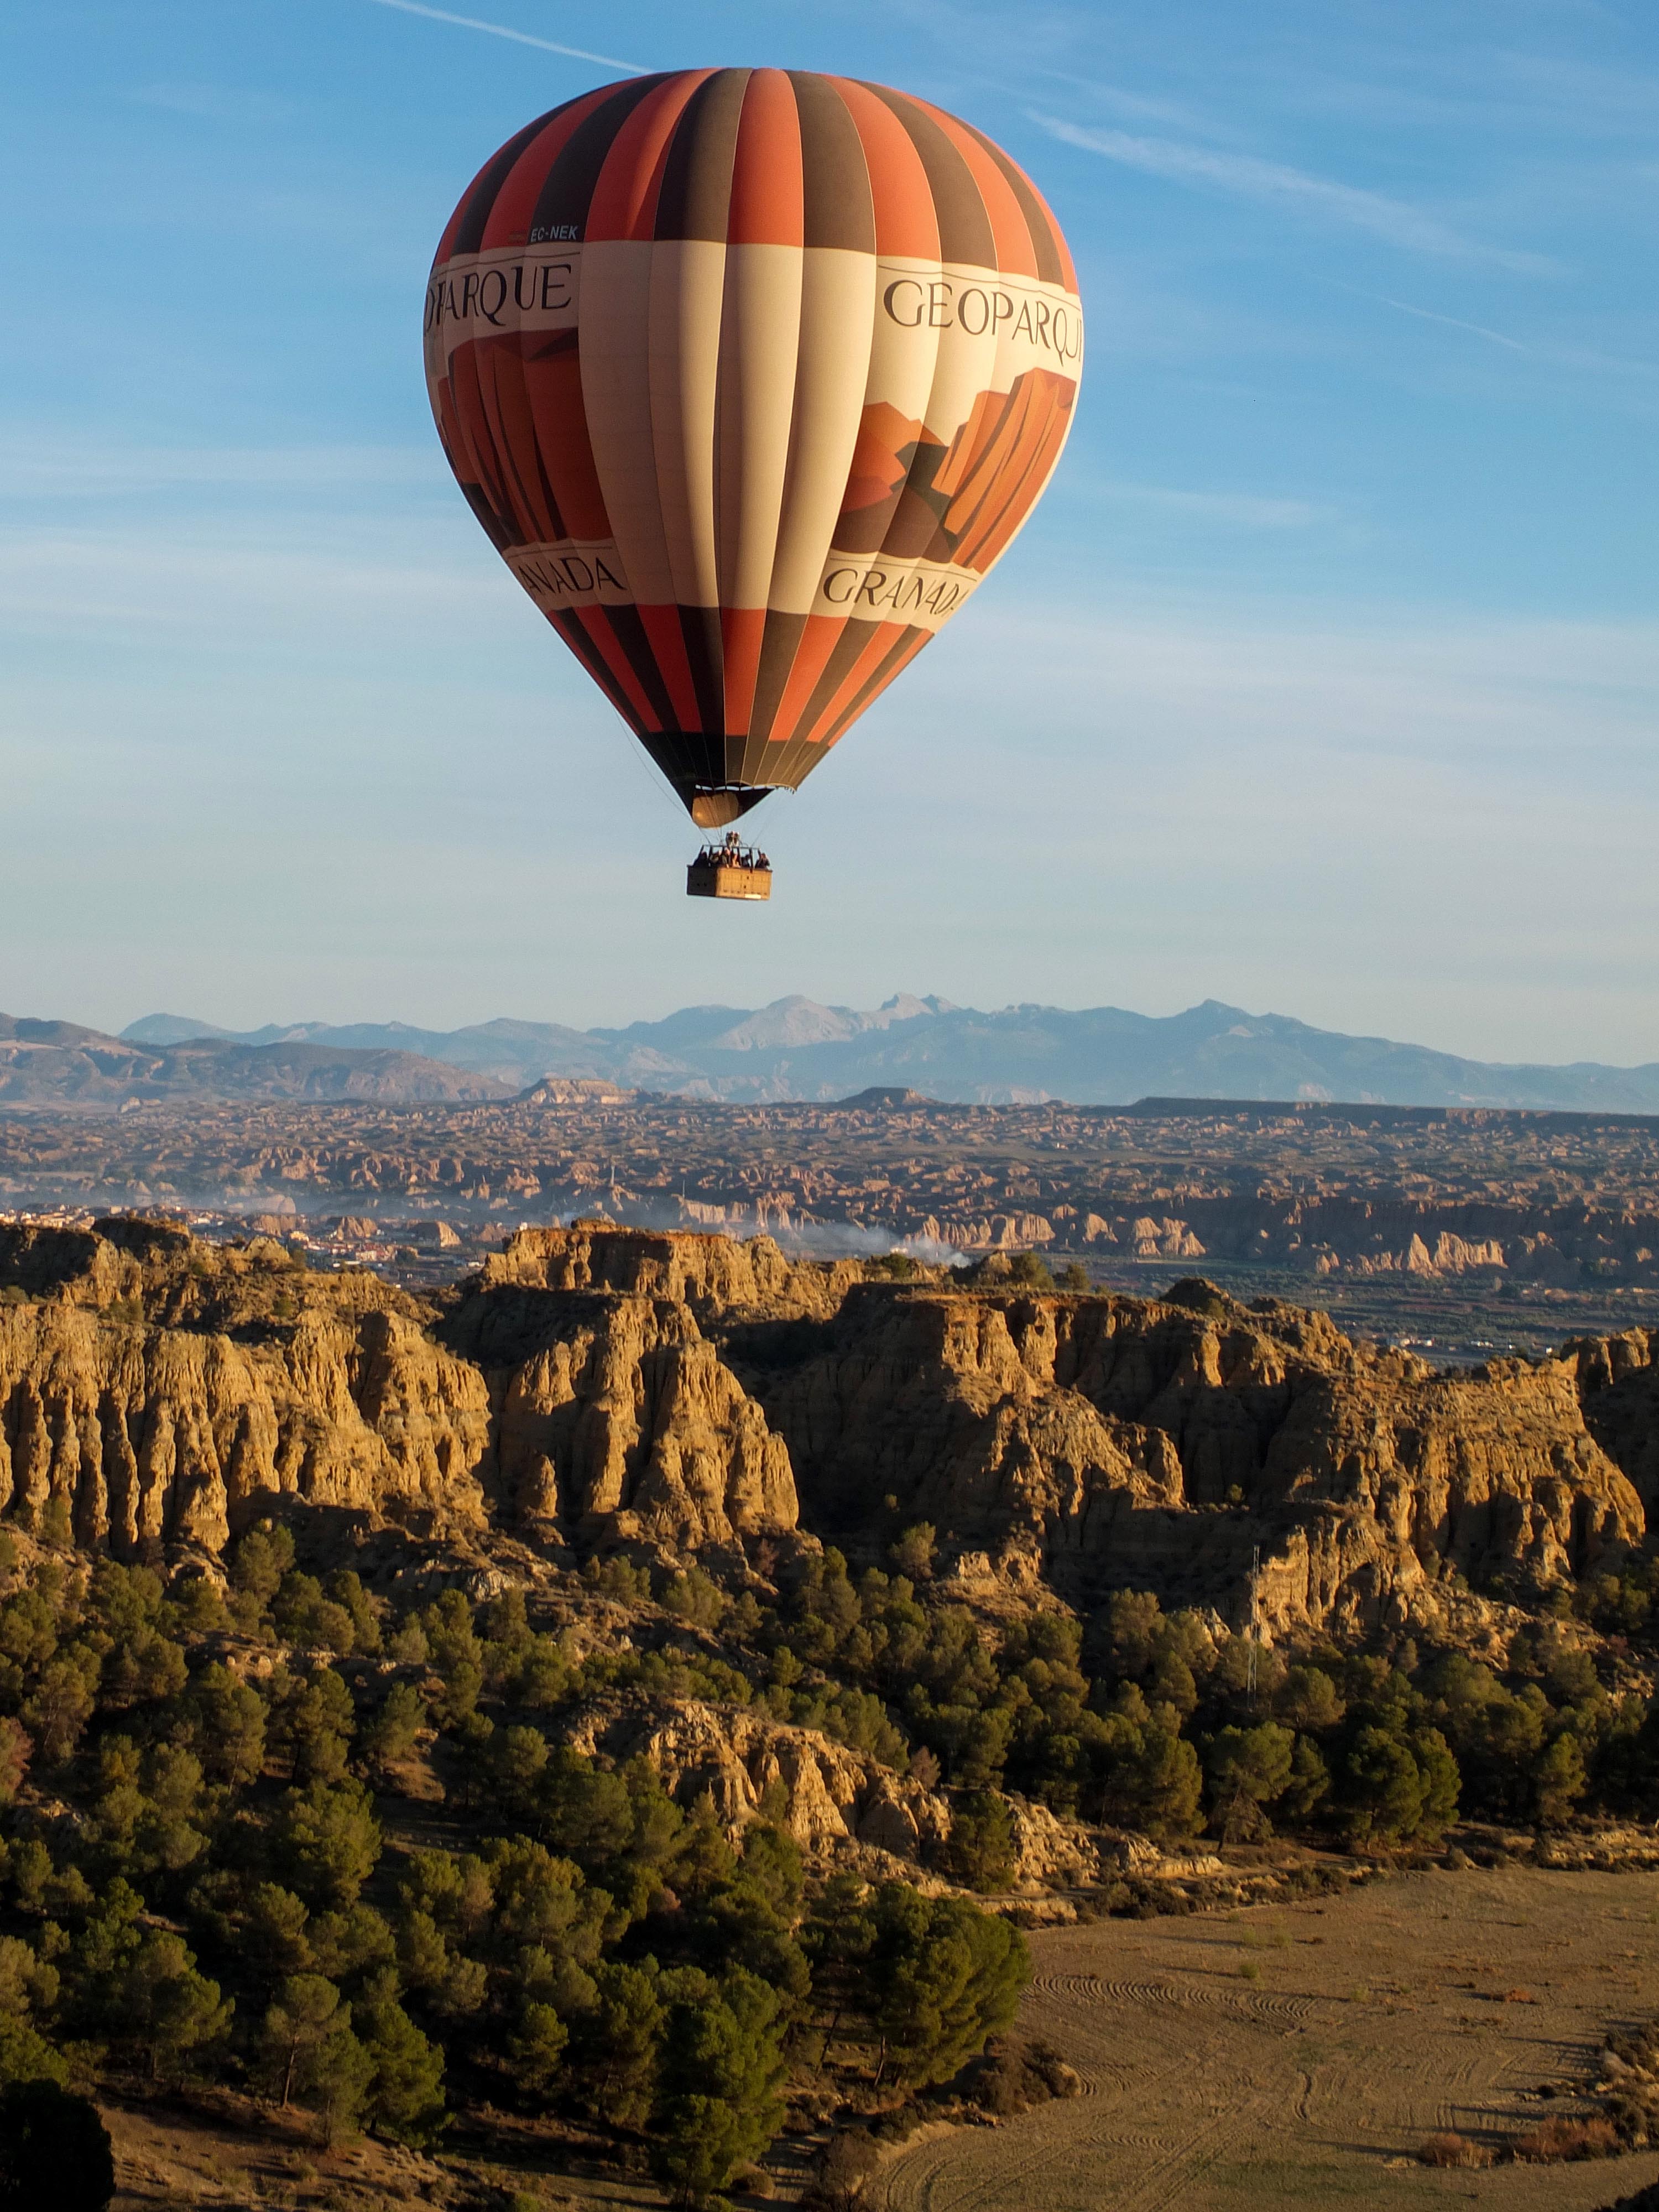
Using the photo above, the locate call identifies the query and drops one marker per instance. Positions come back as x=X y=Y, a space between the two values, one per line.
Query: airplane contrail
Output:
x=501 y=31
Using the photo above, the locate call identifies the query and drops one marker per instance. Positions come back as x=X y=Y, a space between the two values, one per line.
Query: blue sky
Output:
x=1324 y=679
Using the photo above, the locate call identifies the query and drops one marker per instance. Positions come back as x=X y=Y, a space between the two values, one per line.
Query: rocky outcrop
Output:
x=1451 y=1255
x=144 y=1437
x=948 y=1403
x=832 y=1796
x=1050 y=1853
x=1618 y=1382
x=164 y=1391
x=615 y=1421
x=1254 y=1460
x=712 y=1274
x=593 y=1389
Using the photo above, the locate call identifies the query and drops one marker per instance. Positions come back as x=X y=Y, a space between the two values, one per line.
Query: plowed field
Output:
x=1299 y=2055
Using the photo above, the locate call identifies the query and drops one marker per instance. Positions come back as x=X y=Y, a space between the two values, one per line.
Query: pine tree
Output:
x=405 y=2099
x=721 y=2067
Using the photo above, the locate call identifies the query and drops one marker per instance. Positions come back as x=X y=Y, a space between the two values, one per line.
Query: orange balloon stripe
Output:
x=1016 y=255
x=768 y=190
x=811 y=657
x=872 y=646
x=906 y=227
x=594 y=621
x=667 y=641
x=509 y=221
x=965 y=223
x=742 y=629
x=1053 y=263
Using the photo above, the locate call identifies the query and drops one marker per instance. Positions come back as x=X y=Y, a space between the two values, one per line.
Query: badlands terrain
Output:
x=1460 y=1231
x=1295 y=1694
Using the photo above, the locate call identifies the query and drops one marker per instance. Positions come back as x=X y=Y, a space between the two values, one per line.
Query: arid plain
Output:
x=1299 y=2054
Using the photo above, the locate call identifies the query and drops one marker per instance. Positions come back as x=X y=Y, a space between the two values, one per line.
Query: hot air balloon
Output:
x=751 y=376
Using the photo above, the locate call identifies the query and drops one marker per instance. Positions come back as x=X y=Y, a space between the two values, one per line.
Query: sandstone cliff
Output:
x=1618 y=1380
x=145 y=1437
x=615 y=1421
x=712 y=1274
x=682 y=1394
x=1095 y=1442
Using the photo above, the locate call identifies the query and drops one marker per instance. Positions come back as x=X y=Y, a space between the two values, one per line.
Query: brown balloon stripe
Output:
x=571 y=628
x=965 y=232
x=697 y=185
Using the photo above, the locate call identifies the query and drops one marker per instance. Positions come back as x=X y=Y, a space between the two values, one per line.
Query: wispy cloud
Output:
x=1550 y=352
x=1249 y=178
x=212 y=103
x=1241 y=509
x=36 y=468
x=1451 y=322
x=1117 y=100
x=501 y=31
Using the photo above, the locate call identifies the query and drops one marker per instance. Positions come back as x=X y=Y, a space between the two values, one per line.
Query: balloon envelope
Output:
x=752 y=375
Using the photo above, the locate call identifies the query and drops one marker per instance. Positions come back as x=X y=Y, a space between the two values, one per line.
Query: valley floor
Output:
x=1428 y=2002
x=1424 y=2003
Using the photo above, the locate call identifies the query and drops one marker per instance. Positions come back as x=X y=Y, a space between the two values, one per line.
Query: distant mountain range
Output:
x=796 y=1048
x=60 y=1063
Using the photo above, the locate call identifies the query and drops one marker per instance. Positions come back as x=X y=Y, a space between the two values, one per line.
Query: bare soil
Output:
x=1299 y=2055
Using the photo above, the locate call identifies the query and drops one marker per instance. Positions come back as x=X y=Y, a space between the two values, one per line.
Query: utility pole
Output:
x=1255 y=1577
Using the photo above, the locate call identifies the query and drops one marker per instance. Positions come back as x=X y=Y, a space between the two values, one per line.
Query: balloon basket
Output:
x=729 y=870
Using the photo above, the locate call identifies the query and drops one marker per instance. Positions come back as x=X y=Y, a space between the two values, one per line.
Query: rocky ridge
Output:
x=589 y=1389
x=46 y=1061
x=678 y=1399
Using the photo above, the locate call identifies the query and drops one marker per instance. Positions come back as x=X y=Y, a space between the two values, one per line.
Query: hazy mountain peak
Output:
x=797 y=1048
x=169 y=1029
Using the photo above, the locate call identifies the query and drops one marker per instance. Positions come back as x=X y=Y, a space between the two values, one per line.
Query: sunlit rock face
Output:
x=684 y=1396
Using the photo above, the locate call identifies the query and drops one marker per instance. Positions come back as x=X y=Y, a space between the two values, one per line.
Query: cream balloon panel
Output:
x=489 y=295
x=571 y=572
x=726 y=389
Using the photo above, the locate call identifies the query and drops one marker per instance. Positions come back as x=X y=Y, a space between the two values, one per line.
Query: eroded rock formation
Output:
x=1103 y=1442
x=591 y=1388
x=615 y=1421
x=832 y=1796
x=143 y=1437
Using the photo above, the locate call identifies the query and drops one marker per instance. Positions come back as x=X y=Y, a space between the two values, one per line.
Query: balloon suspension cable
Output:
x=729 y=870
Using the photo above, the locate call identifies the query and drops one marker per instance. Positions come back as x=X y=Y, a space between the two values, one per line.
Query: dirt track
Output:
x=1299 y=2055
